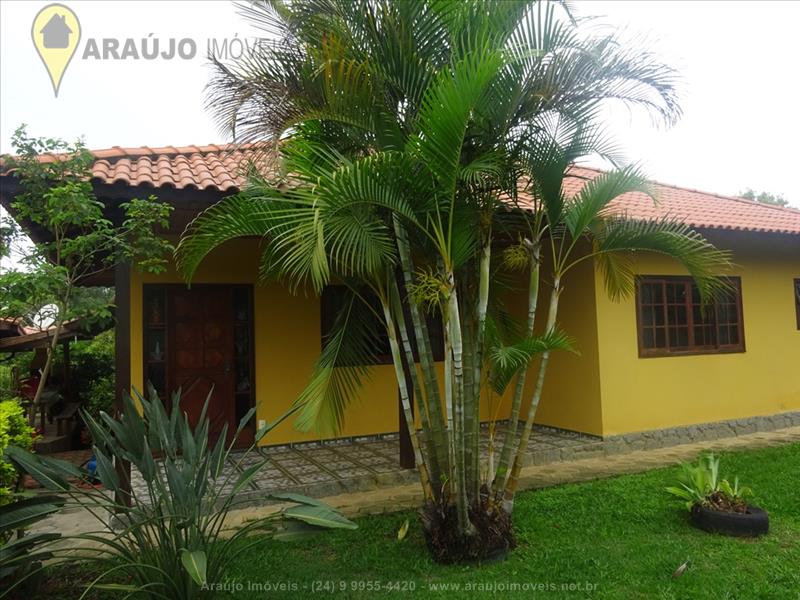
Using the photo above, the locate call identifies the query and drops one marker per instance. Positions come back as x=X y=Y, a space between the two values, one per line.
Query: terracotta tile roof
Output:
x=221 y=167
x=212 y=167
x=698 y=209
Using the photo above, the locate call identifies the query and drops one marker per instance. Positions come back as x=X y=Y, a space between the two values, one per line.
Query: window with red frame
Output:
x=672 y=319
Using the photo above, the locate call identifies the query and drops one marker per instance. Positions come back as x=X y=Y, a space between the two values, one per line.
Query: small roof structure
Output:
x=15 y=337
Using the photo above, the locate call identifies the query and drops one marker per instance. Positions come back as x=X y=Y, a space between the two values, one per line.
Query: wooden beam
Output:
x=122 y=364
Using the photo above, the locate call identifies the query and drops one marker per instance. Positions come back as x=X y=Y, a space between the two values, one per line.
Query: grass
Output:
x=613 y=538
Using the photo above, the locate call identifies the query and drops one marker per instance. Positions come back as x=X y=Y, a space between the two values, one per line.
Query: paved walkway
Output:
x=555 y=458
x=333 y=467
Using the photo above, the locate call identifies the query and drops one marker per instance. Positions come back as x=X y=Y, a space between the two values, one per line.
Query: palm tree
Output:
x=404 y=130
x=573 y=230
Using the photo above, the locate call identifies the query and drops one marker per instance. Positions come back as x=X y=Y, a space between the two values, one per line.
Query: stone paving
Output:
x=403 y=497
x=348 y=465
x=554 y=458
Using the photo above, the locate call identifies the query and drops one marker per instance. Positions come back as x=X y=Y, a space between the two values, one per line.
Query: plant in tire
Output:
x=172 y=541
x=701 y=484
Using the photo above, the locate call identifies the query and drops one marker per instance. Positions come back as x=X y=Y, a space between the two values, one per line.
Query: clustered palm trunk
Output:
x=428 y=143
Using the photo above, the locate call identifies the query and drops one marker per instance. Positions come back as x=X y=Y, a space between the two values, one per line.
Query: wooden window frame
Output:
x=692 y=348
x=796 y=290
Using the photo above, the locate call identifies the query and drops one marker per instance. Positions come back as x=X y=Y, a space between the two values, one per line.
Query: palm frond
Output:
x=446 y=111
x=340 y=369
x=237 y=216
x=597 y=194
x=507 y=360
x=617 y=238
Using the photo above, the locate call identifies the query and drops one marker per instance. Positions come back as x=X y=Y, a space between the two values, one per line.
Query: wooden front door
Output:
x=199 y=338
x=200 y=328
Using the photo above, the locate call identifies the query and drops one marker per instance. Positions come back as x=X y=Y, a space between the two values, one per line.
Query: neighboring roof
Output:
x=11 y=327
x=222 y=168
x=24 y=338
x=695 y=208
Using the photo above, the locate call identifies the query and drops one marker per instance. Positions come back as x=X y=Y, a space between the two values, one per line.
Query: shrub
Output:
x=7 y=390
x=99 y=396
x=174 y=540
x=14 y=431
x=92 y=373
x=21 y=362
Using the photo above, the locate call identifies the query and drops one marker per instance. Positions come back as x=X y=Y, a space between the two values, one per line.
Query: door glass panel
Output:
x=242 y=353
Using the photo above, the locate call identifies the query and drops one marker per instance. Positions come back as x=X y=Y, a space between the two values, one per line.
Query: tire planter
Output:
x=753 y=523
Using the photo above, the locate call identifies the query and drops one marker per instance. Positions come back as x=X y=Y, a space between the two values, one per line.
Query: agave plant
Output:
x=171 y=540
x=424 y=147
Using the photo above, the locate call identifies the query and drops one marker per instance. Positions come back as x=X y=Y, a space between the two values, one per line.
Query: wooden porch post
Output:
x=122 y=364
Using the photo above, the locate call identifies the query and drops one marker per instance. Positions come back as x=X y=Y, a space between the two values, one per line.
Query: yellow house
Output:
x=655 y=365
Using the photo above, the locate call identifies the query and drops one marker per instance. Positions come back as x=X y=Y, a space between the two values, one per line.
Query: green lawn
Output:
x=623 y=537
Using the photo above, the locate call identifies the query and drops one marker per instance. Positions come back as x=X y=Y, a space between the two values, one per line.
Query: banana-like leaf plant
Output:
x=173 y=539
x=21 y=554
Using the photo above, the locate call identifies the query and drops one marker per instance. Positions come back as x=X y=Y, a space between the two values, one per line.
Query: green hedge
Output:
x=14 y=430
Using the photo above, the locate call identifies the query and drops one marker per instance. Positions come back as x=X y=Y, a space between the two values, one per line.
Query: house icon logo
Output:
x=56 y=33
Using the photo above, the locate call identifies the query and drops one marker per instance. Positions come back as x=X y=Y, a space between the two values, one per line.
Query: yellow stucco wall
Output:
x=650 y=393
x=571 y=393
x=606 y=390
x=287 y=342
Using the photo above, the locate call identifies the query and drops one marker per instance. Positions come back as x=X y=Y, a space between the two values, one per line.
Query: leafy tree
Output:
x=421 y=139
x=765 y=197
x=74 y=239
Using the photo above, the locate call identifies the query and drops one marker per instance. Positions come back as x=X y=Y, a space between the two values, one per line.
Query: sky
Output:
x=738 y=61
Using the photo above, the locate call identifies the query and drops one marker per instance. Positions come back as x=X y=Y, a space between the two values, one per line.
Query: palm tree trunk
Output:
x=448 y=401
x=430 y=380
x=430 y=437
x=474 y=406
x=513 y=480
x=468 y=331
x=456 y=348
x=501 y=476
x=422 y=468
